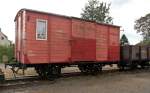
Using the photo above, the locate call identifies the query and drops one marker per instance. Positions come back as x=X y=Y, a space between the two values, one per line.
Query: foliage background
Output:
x=6 y=50
x=97 y=11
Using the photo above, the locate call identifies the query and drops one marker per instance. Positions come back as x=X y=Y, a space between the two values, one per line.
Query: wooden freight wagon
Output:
x=46 y=38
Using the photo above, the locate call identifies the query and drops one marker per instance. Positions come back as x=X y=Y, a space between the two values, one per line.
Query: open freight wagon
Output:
x=135 y=55
x=46 y=40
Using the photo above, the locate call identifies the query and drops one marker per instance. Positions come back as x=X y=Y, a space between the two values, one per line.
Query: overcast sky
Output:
x=124 y=12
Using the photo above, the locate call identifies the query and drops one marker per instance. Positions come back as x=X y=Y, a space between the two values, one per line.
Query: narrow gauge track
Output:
x=33 y=79
x=19 y=81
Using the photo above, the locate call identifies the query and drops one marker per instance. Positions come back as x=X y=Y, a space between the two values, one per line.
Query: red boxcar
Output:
x=50 y=38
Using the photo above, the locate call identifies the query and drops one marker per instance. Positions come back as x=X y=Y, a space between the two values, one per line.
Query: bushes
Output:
x=6 y=50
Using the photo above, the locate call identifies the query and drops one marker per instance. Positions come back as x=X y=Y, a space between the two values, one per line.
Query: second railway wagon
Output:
x=47 y=40
x=134 y=55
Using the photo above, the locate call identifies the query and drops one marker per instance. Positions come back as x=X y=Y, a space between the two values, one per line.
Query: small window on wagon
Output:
x=41 y=29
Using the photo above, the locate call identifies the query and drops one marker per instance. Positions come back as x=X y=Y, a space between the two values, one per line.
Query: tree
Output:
x=97 y=11
x=142 y=25
x=6 y=50
x=124 y=40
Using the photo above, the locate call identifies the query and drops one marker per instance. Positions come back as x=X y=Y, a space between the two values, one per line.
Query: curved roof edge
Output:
x=70 y=17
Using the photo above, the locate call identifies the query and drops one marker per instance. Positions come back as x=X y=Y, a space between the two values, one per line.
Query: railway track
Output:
x=30 y=79
x=33 y=79
x=19 y=81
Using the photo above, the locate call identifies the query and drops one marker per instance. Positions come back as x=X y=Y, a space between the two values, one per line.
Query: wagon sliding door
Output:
x=83 y=43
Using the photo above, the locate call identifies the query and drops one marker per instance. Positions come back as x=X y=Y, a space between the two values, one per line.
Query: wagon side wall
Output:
x=67 y=40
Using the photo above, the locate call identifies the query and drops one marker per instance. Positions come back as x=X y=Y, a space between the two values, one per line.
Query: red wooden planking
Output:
x=83 y=49
x=60 y=39
x=102 y=43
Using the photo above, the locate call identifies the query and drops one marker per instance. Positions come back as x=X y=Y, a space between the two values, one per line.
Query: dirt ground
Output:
x=106 y=82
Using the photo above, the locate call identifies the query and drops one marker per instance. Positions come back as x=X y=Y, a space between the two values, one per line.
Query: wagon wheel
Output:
x=133 y=66
x=143 y=65
x=126 y=65
x=95 y=69
x=53 y=71
x=90 y=68
x=84 y=69
x=41 y=71
x=121 y=67
x=48 y=71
